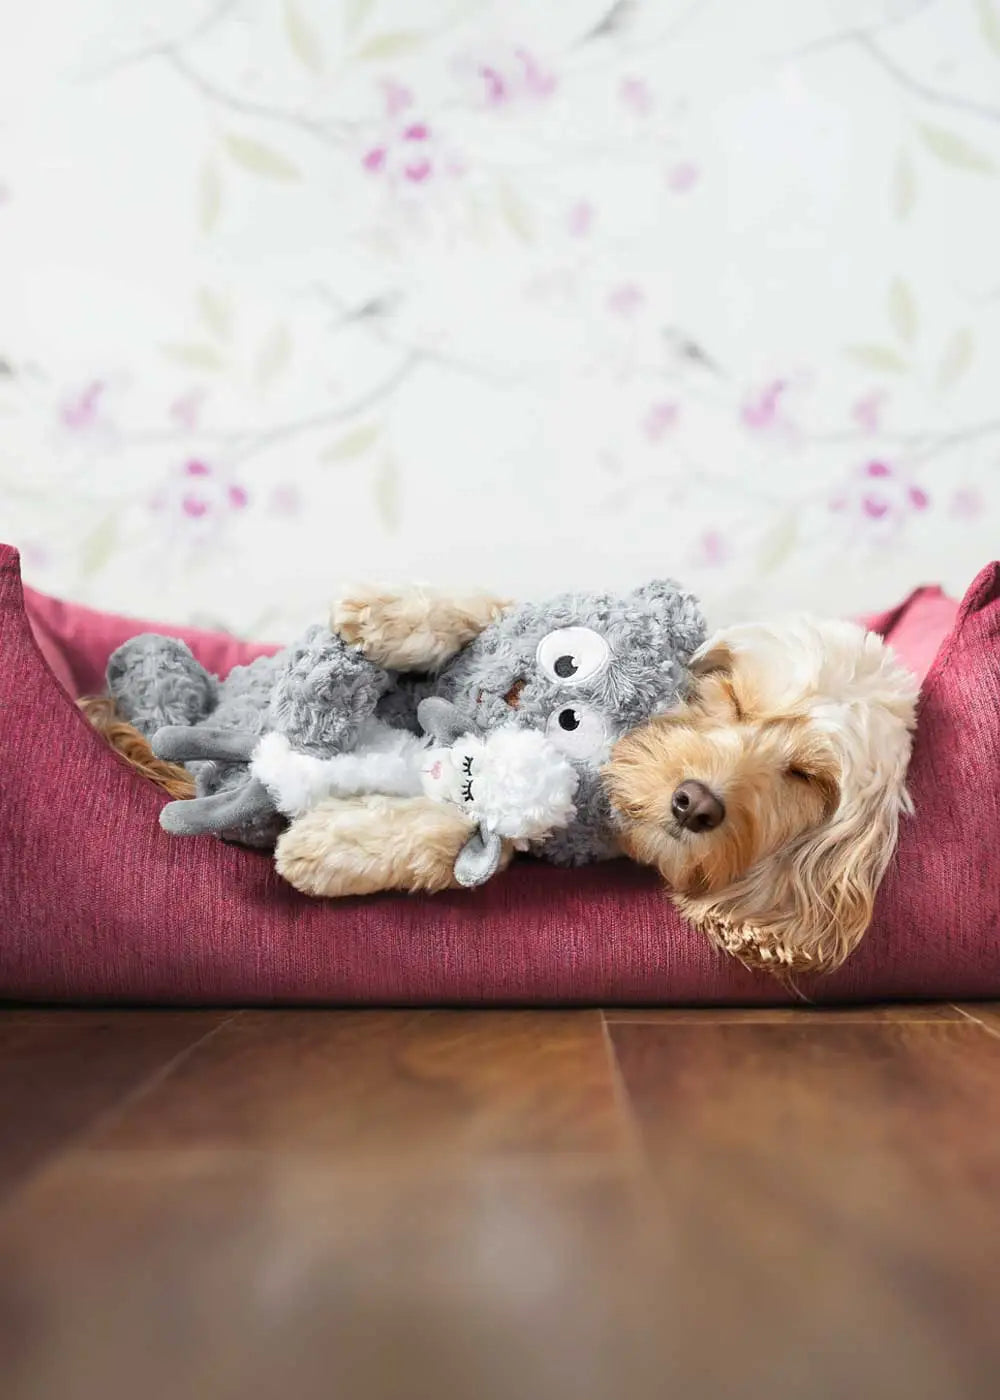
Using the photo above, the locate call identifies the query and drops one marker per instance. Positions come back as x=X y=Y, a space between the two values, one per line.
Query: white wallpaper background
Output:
x=526 y=294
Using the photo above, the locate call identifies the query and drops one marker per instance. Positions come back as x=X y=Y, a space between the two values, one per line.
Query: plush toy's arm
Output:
x=297 y=781
x=412 y=630
x=324 y=693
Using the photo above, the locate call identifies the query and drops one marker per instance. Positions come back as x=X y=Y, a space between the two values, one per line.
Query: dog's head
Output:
x=770 y=800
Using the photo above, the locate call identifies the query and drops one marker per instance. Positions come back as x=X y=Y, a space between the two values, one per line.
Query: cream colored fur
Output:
x=414 y=630
x=803 y=729
x=361 y=845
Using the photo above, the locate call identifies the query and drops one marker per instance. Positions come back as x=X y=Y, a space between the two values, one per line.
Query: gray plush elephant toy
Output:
x=581 y=669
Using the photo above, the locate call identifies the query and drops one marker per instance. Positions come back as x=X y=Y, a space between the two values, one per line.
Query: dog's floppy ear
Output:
x=713 y=658
x=807 y=908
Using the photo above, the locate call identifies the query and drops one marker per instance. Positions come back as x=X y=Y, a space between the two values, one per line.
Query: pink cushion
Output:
x=96 y=902
x=76 y=642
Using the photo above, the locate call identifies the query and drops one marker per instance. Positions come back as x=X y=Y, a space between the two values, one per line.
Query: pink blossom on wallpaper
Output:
x=285 y=499
x=713 y=549
x=683 y=176
x=580 y=219
x=199 y=497
x=408 y=155
x=503 y=74
x=967 y=503
x=762 y=409
x=879 y=497
x=658 y=418
x=636 y=94
x=626 y=299
x=396 y=97
x=185 y=410
x=35 y=556
x=81 y=409
x=867 y=411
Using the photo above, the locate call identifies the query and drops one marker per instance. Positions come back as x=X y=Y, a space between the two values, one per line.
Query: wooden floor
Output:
x=539 y=1205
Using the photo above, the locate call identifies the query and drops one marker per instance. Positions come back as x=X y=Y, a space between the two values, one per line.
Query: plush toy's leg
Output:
x=180 y=743
x=222 y=811
x=413 y=631
x=156 y=681
x=361 y=845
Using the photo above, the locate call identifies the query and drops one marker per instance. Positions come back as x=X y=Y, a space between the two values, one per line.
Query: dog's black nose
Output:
x=696 y=807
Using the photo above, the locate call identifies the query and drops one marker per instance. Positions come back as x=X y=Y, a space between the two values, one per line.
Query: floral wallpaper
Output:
x=527 y=294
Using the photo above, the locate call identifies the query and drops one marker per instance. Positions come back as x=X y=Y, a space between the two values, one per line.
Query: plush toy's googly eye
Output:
x=577 y=732
x=572 y=655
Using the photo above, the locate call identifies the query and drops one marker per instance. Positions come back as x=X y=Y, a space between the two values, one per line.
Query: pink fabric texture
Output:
x=76 y=642
x=97 y=903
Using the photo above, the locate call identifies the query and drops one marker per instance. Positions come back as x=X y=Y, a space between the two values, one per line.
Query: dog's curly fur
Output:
x=125 y=739
x=363 y=845
x=803 y=731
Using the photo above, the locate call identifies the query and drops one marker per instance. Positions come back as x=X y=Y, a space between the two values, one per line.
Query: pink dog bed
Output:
x=97 y=903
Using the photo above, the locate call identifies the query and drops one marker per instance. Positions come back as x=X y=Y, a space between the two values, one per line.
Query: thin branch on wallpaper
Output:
x=919 y=88
x=375 y=314
x=866 y=41
x=330 y=133
x=213 y=16
x=919 y=445
x=244 y=445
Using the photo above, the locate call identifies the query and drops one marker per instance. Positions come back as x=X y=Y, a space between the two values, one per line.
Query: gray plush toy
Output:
x=580 y=668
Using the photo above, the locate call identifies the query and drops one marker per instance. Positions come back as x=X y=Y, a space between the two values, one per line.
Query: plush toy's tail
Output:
x=125 y=739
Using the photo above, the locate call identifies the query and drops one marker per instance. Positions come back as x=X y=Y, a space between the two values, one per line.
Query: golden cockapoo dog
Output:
x=770 y=801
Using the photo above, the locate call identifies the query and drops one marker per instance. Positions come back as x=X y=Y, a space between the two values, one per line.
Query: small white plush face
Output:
x=447 y=774
x=514 y=783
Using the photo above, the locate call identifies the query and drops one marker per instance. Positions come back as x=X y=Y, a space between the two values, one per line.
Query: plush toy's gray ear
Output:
x=672 y=608
x=441 y=720
x=479 y=859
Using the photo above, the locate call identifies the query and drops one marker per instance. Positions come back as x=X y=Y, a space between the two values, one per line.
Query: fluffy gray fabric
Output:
x=582 y=667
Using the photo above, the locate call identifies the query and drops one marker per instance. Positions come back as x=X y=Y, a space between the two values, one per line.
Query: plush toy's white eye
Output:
x=572 y=654
x=577 y=732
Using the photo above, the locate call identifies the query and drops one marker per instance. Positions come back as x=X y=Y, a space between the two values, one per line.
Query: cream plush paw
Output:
x=413 y=630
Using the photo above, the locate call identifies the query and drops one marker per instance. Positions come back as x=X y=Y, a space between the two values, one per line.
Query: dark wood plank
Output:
x=234 y=1275
x=784 y=1015
x=61 y=1072
x=831 y=1193
x=378 y=1203
x=363 y=1084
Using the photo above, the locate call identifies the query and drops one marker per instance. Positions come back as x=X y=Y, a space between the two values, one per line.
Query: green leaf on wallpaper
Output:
x=352 y=444
x=355 y=14
x=880 y=357
x=903 y=194
x=273 y=356
x=209 y=196
x=98 y=546
x=302 y=38
x=956 y=359
x=216 y=310
x=194 y=355
x=513 y=212
x=390 y=45
x=902 y=310
x=260 y=159
x=989 y=23
x=777 y=544
x=385 y=489
x=954 y=150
